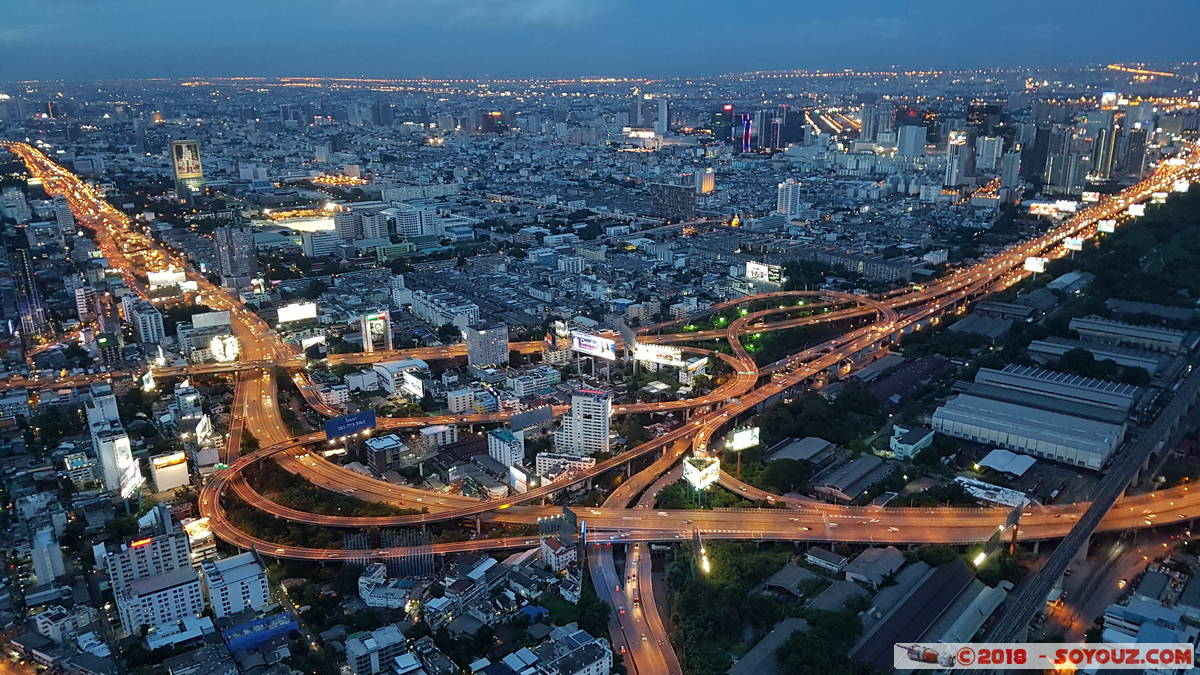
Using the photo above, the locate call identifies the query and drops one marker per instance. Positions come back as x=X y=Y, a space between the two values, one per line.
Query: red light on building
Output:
x=141 y=542
x=728 y=106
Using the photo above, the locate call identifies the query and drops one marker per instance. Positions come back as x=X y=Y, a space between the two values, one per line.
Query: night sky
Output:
x=71 y=39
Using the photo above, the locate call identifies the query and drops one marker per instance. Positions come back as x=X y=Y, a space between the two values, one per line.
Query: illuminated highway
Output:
x=256 y=409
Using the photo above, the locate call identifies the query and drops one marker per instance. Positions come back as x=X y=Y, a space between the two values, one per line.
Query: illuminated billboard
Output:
x=224 y=348
x=169 y=471
x=171 y=277
x=1035 y=264
x=1137 y=210
x=701 y=472
x=1107 y=226
x=1182 y=185
x=1090 y=196
x=1158 y=198
x=412 y=384
x=1073 y=243
x=661 y=354
x=347 y=425
x=764 y=273
x=207 y=320
x=742 y=438
x=185 y=156
x=593 y=345
x=376 y=328
x=297 y=311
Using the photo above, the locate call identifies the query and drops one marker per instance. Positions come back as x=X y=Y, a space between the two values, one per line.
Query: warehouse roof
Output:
x=1007 y=462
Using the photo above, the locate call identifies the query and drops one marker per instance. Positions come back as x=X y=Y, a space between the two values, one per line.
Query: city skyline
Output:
x=78 y=39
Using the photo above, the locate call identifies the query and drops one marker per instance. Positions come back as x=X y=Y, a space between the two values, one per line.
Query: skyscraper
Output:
x=957 y=151
x=147 y=322
x=868 y=119
x=1104 y=152
x=987 y=153
x=1010 y=169
x=745 y=132
x=585 y=428
x=787 y=201
x=722 y=123
x=235 y=255
x=662 y=122
x=189 y=173
x=63 y=216
x=346 y=224
x=912 y=140
x=29 y=298
x=487 y=344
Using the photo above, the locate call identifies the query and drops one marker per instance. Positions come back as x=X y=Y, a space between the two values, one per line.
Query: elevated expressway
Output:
x=895 y=313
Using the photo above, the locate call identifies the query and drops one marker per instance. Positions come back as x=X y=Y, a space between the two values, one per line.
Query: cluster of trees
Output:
x=710 y=612
x=1081 y=362
x=297 y=492
x=853 y=414
x=681 y=495
x=824 y=647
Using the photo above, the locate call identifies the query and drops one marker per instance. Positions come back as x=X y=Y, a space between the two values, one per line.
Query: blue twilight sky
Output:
x=175 y=38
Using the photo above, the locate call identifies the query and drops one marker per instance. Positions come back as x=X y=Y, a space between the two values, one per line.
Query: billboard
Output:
x=171 y=277
x=1107 y=226
x=1158 y=198
x=1035 y=264
x=593 y=345
x=185 y=156
x=742 y=438
x=347 y=425
x=764 y=273
x=1137 y=210
x=1090 y=197
x=412 y=384
x=376 y=327
x=701 y=472
x=662 y=354
x=170 y=471
x=224 y=348
x=297 y=311
x=1182 y=185
x=1073 y=243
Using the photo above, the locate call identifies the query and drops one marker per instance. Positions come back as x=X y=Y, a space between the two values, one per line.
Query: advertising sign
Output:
x=662 y=354
x=297 y=311
x=1090 y=197
x=1137 y=210
x=186 y=158
x=593 y=345
x=349 y=424
x=224 y=348
x=764 y=273
x=1073 y=243
x=1107 y=226
x=412 y=384
x=171 y=277
x=742 y=438
x=1035 y=264
x=701 y=472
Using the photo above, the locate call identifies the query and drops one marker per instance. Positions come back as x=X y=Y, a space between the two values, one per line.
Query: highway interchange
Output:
x=627 y=517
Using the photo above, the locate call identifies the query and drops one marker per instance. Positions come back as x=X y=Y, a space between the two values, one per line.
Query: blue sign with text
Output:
x=349 y=424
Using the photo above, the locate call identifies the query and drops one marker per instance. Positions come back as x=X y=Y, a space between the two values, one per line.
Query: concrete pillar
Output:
x=1037 y=545
x=477 y=524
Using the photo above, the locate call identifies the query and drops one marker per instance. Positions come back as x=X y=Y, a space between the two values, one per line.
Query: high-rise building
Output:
x=636 y=112
x=63 y=216
x=161 y=600
x=374 y=226
x=189 y=173
x=147 y=322
x=236 y=262
x=722 y=123
x=85 y=302
x=987 y=152
x=235 y=584
x=662 y=122
x=745 y=131
x=1104 y=152
x=912 y=140
x=145 y=555
x=1134 y=161
x=585 y=428
x=672 y=201
x=346 y=224
x=506 y=447
x=29 y=298
x=788 y=201
x=412 y=221
x=869 y=120
x=957 y=150
x=1010 y=169
x=46 y=555
x=114 y=453
x=487 y=344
